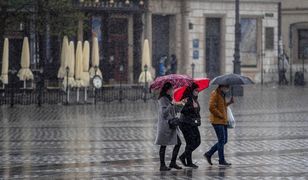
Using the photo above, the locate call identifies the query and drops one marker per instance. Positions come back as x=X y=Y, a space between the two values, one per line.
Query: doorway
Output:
x=160 y=39
x=213 y=45
x=118 y=49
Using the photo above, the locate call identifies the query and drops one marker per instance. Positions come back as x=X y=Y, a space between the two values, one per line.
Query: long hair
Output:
x=164 y=89
x=188 y=93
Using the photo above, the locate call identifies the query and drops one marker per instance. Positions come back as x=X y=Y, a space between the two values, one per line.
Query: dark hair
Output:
x=220 y=86
x=188 y=93
x=164 y=89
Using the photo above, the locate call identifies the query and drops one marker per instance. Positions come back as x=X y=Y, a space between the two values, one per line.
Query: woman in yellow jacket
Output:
x=219 y=120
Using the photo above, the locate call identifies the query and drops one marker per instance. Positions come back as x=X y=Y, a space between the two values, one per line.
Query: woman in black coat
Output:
x=190 y=120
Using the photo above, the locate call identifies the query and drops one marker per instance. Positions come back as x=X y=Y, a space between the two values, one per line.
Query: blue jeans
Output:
x=222 y=136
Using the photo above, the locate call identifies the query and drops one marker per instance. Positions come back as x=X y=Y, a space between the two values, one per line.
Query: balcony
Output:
x=112 y=5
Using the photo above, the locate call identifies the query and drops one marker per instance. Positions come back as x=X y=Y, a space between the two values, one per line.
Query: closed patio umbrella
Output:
x=5 y=62
x=79 y=68
x=86 y=63
x=64 y=52
x=79 y=65
x=25 y=72
x=71 y=66
x=146 y=60
x=95 y=59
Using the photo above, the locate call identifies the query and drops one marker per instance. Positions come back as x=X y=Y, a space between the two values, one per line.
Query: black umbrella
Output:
x=231 y=79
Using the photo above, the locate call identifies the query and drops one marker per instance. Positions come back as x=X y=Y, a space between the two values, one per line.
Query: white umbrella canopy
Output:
x=5 y=62
x=64 y=52
x=95 y=59
x=25 y=72
x=79 y=65
x=146 y=60
x=145 y=77
x=71 y=66
x=86 y=63
x=86 y=56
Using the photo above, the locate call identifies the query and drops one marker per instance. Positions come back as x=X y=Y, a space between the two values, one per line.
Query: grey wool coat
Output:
x=166 y=110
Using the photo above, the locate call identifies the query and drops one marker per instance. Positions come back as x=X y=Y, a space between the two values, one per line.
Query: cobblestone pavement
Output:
x=115 y=141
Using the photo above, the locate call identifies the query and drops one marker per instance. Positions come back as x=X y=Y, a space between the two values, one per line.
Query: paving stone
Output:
x=115 y=141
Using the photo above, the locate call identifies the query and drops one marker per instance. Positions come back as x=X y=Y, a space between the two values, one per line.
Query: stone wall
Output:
x=199 y=10
x=196 y=11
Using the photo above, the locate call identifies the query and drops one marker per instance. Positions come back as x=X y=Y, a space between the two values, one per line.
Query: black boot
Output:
x=208 y=158
x=174 y=156
x=163 y=166
x=183 y=159
x=175 y=166
x=189 y=162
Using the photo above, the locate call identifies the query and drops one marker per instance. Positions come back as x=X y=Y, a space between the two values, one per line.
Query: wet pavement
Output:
x=115 y=141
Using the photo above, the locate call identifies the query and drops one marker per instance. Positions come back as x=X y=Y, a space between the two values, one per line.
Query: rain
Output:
x=153 y=89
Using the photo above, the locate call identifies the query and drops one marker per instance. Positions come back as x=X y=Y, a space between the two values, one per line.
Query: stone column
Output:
x=184 y=62
x=148 y=33
x=130 y=49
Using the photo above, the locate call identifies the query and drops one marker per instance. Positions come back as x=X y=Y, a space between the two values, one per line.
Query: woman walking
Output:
x=218 y=118
x=190 y=120
x=166 y=135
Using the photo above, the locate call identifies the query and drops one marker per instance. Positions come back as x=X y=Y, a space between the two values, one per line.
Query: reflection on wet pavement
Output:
x=115 y=141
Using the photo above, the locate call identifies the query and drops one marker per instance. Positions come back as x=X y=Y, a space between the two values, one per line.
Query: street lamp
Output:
x=145 y=82
x=12 y=85
x=237 y=90
x=121 y=72
x=67 y=92
x=193 y=70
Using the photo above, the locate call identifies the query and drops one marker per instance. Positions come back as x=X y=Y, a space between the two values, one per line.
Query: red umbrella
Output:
x=177 y=80
x=203 y=83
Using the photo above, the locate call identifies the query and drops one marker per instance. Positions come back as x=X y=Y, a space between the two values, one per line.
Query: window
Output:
x=269 y=38
x=249 y=42
x=302 y=43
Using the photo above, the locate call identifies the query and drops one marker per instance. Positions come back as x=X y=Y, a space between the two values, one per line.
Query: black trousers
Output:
x=192 y=138
x=175 y=152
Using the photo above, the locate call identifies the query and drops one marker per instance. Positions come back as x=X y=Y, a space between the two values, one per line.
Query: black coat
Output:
x=189 y=112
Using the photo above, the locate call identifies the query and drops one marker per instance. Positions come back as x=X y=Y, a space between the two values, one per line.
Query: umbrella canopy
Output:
x=5 y=62
x=95 y=59
x=71 y=66
x=202 y=83
x=146 y=57
x=25 y=72
x=64 y=52
x=231 y=79
x=86 y=58
x=145 y=77
x=79 y=65
x=177 y=80
x=146 y=60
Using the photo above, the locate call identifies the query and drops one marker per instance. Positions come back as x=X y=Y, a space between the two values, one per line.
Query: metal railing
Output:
x=13 y=96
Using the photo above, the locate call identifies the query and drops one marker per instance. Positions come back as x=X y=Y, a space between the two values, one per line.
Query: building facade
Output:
x=202 y=32
x=295 y=35
x=118 y=25
x=199 y=32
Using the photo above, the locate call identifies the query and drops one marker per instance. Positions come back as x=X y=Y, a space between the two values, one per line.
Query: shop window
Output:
x=269 y=38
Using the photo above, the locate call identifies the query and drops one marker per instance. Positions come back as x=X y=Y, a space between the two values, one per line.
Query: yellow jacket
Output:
x=218 y=108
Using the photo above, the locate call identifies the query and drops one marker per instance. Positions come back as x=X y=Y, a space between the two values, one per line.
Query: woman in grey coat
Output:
x=165 y=135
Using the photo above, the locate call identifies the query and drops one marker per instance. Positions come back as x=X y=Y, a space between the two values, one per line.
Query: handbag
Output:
x=196 y=121
x=231 y=120
x=173 y=123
